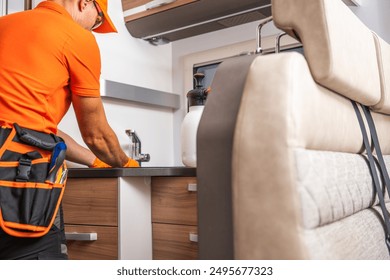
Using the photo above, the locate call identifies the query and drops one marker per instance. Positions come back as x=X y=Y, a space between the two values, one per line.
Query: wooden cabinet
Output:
x=174 y=218
x=91 y=212
x=132 y=217
x=130 y=4
x=186 y=18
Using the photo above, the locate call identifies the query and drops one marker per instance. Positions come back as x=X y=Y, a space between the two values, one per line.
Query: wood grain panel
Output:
x=171 y=242
x=91 y=201
x=176 y=4
x=172 y=202
x=104 y=248
x=130 y=4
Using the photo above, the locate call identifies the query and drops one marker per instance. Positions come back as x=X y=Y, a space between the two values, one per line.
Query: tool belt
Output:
x=32 y=180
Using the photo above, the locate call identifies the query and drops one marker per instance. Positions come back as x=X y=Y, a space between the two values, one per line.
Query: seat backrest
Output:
x=298 y=186
x=302 y=189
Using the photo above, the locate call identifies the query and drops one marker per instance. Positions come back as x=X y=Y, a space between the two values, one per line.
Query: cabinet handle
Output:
x=192 y=187
x=193 y=237
x=157 y=3
x=77 y=236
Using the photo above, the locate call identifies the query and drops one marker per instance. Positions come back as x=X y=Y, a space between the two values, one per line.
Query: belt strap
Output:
x=372 y=165
x=29 y=138
x=24 y=168
x=23 y=171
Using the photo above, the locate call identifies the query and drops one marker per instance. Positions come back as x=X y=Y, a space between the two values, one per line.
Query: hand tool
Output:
x=56 y=161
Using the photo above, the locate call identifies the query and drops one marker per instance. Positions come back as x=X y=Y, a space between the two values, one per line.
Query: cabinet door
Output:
x=174 y=217
x=91 y=201
x=91 y=208
x=174 y=200
x=173 y=242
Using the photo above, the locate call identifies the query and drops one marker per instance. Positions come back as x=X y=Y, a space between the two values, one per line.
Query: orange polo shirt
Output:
x=45 y=58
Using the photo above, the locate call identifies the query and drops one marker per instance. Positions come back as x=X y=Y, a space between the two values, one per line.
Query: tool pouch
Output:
x=28 y=202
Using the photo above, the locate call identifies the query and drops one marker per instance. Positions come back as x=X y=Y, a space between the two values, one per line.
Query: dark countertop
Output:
x=173 y=171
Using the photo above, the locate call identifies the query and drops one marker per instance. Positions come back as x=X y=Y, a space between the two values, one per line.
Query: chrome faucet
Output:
x=135 y=147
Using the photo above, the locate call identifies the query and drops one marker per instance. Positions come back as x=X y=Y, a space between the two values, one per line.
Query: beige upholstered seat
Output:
x=301 y=186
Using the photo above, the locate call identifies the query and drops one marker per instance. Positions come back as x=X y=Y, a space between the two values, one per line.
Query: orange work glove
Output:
x=131 y=163
x=97 y=163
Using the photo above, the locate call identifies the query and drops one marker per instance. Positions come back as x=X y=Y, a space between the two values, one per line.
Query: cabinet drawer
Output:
x=173 y=202
x=172 y=242
x=104 y=248
x=91 y=201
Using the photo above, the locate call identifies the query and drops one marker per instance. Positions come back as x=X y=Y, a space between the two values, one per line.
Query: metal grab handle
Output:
x=193 y=237
x=277 y=41
x=4 y=7
x=27 y=4
x=192 y=187
x=259 y=27
x=78 y=236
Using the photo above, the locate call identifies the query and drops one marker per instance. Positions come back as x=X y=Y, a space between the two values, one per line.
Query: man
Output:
x=50 y=59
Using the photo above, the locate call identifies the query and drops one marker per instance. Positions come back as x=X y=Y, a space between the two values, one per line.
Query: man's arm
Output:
x=96 y=132
x=75 y=152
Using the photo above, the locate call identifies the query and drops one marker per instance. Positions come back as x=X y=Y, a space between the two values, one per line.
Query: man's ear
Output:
x=82 y=4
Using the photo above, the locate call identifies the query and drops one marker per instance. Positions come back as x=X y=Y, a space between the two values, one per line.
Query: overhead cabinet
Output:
x=162 y=21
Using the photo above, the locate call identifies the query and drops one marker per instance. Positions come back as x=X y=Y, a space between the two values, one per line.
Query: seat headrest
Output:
x=339 y=48
x=383 y=56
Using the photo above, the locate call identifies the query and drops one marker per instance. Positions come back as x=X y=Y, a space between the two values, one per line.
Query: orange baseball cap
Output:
x=107 y=25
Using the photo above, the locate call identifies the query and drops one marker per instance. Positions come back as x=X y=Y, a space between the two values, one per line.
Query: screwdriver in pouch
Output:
x=57 y=159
